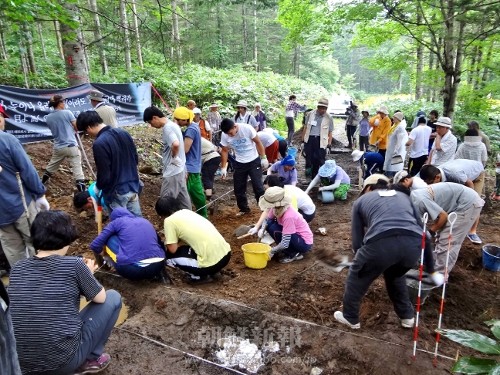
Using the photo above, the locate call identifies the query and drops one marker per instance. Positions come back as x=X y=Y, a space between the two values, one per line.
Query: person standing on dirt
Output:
x=291 y=110
x=250 y=160
x=445 y=143
x=193 y=243
x=439 y=200
x=377 y=235
x=396 y=146
x=260 y=117
x=107 y=112
x=205 y=129
x=351 y=123
x=243 y=116
x=116 y=160
x=418 y=141
x=214 y=119
x=431 y=123
x=62 y=124
x=192 y=148
x=380 y=123
x=15 y=221
x=9 y=362
x=173 y=156
x=317 y=136
x=364 y=131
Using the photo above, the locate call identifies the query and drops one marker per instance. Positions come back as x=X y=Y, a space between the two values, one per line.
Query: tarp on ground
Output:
x=28 y=109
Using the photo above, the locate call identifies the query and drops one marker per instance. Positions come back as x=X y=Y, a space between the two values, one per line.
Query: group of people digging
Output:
x=384 y=217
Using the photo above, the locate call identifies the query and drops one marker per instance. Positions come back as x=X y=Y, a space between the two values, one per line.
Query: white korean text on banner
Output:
x=28 y=109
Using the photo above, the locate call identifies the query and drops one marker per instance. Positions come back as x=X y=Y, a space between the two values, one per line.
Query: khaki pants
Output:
x=464 y=222
x=74 y=157
x=479 y=184
x=16 y=238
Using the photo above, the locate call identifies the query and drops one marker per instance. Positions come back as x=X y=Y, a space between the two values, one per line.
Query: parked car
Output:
x=338 y=104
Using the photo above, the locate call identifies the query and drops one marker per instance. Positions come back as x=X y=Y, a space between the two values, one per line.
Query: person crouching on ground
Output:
x=285 y=170
x=332 y=177
x=53 y=336
x=286 y=226
x=194 y=245
x=132 y=246
x=382 y=220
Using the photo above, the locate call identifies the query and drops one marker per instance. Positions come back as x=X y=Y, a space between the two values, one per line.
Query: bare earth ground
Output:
x=293 y=303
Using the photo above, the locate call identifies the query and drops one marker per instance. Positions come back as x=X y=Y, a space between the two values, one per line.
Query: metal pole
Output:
x=85 y=155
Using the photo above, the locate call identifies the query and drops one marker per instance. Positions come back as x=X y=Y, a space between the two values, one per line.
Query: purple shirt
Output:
x=340 y=175
x=288 y=177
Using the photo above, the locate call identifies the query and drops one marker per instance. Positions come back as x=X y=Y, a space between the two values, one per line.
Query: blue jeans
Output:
x=9 y=364
x=297 y=243
x=98 y=322
x=129 y=200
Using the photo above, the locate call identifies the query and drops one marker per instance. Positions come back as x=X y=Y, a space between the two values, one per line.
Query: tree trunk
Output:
x=98 y=37
x=477 y=68
x=126 y=39
x=74 y=55
x=3 y=50
x=255 y=39
x=245 y=33
x=24 y=66
x=420 y=66
x=27 y=36
x=175 y=52
x=487 y=63
x=220 y=40
x=137 y=36
x=57 y=30
x=472 y=64
x=42 y=41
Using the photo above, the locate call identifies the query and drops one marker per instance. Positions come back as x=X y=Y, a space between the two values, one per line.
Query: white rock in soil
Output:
x=316 y=371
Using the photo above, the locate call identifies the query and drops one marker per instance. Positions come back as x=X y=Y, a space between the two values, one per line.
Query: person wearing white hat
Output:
x=243 y=116
x=406 y=181
x=214 y=119
x=371 y=162
x=205 y=129
x=380 y=123
x=287 y=227
x=382 y=220
x=445 y=143
x=317 y=136
x=396 y=146
x=107 y=112
x=260 y=117
x=332 y=178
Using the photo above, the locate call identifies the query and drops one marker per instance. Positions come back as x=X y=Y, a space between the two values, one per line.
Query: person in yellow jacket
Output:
x=380 y=123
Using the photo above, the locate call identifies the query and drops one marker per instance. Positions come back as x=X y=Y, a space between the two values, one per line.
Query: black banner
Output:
x=28 y=109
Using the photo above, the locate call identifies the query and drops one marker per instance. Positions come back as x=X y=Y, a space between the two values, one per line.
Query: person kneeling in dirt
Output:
x=285 y=169
x=332 y=177
x=133 y=256
x=286 y=226
x=53 y=336
x=382 y=220
x=194 y=245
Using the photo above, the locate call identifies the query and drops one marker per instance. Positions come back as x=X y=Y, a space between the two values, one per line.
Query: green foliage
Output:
x=481 y=343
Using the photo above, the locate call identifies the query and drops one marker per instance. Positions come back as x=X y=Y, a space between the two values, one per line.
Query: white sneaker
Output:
x=407 y=323
x=339 y=317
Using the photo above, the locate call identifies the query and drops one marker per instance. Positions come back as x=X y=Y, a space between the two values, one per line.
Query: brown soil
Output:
x=300 y=296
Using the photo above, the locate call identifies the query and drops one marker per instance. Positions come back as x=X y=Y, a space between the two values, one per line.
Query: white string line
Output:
x=180 y=351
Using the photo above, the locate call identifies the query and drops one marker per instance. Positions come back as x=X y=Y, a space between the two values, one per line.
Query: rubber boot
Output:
x=80 y=185
x=46 y=176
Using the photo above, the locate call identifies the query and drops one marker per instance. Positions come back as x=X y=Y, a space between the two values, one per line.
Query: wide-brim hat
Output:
x=399 y=116
x=274 y=197
x=357 y=154
x=399 y=176
x=96 y=95
x=328 y=169
x=323 y=102
x=2 y=111
x=242 y=103
x=373 y=179
x=444 y=121
x=383 y=109
x=214 y=105
x=197 y=111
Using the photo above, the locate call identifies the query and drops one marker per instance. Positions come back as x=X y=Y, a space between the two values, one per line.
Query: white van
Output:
x=338 y=104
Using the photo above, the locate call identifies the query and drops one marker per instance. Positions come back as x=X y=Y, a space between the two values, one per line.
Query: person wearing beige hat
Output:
x=396 y=146
x=107 y=112
x=317 y=136
x=243 y=116
x=191 y=104
x=286 y=226
x=445 y=143
x=380 y=123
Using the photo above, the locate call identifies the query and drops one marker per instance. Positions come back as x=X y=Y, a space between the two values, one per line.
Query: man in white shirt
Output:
x=250 y=160
x=418 y=141
x=445 y=143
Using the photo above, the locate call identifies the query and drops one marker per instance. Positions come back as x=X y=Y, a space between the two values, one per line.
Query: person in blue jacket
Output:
x=371 y=162
x=132 y=246
x=15 y=221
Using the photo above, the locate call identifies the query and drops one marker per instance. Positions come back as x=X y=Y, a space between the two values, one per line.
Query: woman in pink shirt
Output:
x=288 y=228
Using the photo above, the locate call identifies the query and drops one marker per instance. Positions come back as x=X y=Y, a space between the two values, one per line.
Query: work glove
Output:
x=376 y=122
x=437 y=278
x=260 y=233
x=41 y=204
x=264 y=163
x=321 y=188
x=177 y=161
x=223 y=172
x=253 y=231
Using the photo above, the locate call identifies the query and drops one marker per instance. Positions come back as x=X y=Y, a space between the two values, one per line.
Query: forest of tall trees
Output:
x=433 y=50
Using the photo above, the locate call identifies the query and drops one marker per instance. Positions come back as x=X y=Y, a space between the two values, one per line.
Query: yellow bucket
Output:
x=256 y=255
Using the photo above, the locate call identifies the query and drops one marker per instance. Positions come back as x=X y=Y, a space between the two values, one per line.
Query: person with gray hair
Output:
x=445 y=143
x=107 y=112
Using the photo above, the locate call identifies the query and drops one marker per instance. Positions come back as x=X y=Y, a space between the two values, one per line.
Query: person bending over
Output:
x=53 y=336
x=285 y=169
x=332 y=178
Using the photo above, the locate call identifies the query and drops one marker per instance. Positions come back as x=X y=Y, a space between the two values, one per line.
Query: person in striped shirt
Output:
x=52 y=335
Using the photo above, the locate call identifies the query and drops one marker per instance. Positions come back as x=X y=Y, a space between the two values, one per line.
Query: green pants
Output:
x=195 y=190
x=341 y=192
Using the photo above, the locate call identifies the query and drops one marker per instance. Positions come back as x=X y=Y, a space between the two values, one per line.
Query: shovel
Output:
x=336 y=263
x=242 y=230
